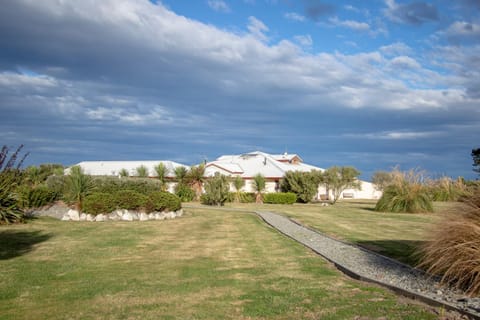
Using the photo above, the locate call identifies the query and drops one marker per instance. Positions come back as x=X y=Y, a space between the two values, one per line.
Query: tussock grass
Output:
x=453 y=249
x=407 y=193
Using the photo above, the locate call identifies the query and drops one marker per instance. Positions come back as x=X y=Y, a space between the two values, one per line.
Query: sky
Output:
x=371 y=84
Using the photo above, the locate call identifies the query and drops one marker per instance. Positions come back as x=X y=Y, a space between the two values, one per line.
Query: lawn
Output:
x=206 y=265
x=392 y=234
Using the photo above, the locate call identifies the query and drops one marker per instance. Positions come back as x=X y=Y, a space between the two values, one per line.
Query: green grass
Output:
x=396 y=235
x=206 y=265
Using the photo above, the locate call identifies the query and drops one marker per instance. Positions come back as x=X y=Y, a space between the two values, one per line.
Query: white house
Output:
x=273 y=167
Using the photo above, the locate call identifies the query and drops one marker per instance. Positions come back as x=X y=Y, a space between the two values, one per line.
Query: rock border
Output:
x=121 y=215
x=64 y=213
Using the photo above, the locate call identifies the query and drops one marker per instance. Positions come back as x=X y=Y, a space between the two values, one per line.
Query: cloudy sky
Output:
x=371 y=84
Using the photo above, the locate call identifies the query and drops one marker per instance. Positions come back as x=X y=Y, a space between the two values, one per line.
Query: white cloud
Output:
x=304 y=40
x=293 y=16
x=257 y=28
x=396 y=135
x=404 y=62
x=218 y=5
x=350 y=24
x=397 y=48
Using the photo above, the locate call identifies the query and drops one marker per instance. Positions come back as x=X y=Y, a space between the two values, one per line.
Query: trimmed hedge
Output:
x=245 y=197
x=99 y=202
x=113 y=184
x=280 y=198
x=163 y=201
x=130 y=200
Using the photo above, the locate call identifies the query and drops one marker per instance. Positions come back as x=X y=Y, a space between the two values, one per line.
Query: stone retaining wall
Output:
x=66 y=214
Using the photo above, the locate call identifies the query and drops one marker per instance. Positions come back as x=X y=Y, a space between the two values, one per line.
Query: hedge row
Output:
x=280 y=198
x=103 y=202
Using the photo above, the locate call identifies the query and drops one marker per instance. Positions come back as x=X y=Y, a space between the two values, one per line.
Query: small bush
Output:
x=453 y=249
x=130 y=200
x=247 y=197
x=99 y=202
x=184 y=192
x=407 y=194
x=163 y=201
x=36 y=197
x=216 y=190
x=280 y=198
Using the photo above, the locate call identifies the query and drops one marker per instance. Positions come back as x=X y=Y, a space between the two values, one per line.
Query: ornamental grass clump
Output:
x=407 y=193
x=453 y=249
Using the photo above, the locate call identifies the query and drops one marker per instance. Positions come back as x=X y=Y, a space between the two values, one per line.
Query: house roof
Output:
x=248 y=165
x=113 y=168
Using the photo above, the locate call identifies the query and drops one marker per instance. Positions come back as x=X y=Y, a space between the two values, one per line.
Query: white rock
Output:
x=170 y=215
x=119 y=213
x=66 y=217
x=83 y=217
x=135 y=216
x=90 y=217
x=143 y=216
x=159 y=216
x=74 y=215
x=127 y=216
x=100 y=217
x=151 y=216
x=179 y=213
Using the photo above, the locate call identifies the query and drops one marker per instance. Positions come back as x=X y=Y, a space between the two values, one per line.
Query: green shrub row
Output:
x=103 y=202
x=280 y=198
x=113 y=184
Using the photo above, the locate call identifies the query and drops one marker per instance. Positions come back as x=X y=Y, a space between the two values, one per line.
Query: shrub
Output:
x=303 y=184
x=163 y=201
x=99 y=202
x=280 y=198
x=259 y=185
x=247 y=197
x=36 y=197
x=184 y=192
x=114 y=184
x=406 y=194
x=216 y=190
x=142 y=171
x=78 y=186
x=130 y=200
x=57 y=184
x=453 y=249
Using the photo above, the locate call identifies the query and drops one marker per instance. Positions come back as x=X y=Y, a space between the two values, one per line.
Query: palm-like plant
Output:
x=79 y=185
x=123 y=173
x=259 y=186
x=162 y=172
x=180 y=174
x=142 y=171
x=195 y=178
x=238 y=184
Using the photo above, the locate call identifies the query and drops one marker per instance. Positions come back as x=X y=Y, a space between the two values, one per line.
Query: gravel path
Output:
x=366 y=265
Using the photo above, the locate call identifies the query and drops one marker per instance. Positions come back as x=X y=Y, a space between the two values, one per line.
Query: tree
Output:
x=238 y=184
x=381 y=179
x=79 y=185
x=303 y=184
x=259 y=186
x=195 y=179
x=162 y=172
x=216 y=190
x=142 y=171
x=337 y=179
x=476 y=159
